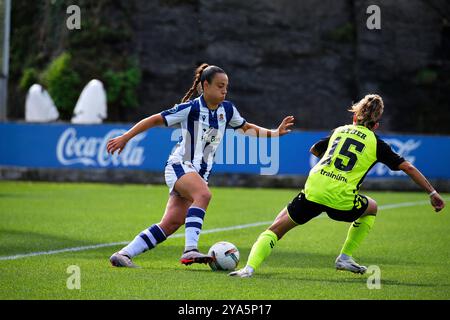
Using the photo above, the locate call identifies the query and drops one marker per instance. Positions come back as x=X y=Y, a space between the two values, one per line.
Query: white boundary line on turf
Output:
x=102 y=245
x=243 y=226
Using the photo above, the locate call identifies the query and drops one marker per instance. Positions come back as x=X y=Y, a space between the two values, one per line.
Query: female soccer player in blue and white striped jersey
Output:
x=203 y=121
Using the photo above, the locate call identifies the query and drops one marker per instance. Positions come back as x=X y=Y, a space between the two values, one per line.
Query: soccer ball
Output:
x=226 y=256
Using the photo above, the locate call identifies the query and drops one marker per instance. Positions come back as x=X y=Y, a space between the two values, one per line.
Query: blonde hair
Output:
x=368 y=110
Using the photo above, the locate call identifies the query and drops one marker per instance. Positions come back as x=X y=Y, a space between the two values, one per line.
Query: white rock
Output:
x=91 y=106
x=39 y=106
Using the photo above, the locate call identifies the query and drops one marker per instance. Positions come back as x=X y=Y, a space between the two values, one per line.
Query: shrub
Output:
x=29 y=77
x=121 y=86
x=62 y=83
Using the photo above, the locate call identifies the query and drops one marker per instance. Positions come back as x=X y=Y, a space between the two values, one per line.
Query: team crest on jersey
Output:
x=174 y=109
x=221 y=117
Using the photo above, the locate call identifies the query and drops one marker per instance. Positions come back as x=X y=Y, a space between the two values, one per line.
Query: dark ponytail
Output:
x=197 y=79
x=202 y=73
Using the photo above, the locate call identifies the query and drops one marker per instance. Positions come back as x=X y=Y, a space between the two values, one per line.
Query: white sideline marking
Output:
x=242 y=226
x=96 y=246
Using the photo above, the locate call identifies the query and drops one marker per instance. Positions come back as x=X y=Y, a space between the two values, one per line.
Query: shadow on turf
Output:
x=12 y=195
x=23 y=242
x=309 y=260
x=357 y=279
x=303 y=259
x=332 y=273
x=300 y=259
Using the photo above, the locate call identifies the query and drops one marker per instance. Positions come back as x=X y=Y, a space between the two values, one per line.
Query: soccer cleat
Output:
x=241 y=273
x=349 y=264
x=121 y=260
x=194 y=256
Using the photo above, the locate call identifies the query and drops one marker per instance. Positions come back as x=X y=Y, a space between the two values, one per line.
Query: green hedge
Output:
x=44 y=51
x=63 y=83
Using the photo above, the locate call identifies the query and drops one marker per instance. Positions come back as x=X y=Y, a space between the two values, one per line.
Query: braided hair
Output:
x=202 y=73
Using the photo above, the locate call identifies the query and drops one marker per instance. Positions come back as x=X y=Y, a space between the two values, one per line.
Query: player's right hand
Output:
x=285 y=125
x=437 y=202
x=115 y=144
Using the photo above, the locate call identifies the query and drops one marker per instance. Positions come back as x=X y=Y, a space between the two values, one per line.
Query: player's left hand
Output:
x=437 y=202
x=115 y=144
x=285 y=125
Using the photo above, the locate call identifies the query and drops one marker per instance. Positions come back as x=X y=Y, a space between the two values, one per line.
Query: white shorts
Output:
x=175 y=171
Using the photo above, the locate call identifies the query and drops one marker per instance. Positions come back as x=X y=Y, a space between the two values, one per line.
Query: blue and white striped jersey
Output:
x=202 y=131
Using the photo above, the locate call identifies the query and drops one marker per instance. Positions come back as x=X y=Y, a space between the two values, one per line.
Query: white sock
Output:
x=135 y=247
x=146 y=240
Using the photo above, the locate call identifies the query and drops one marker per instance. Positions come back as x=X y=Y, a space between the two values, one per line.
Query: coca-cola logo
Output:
x=91 y=151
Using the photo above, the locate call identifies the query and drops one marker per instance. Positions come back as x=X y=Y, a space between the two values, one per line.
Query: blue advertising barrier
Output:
x=84 y=146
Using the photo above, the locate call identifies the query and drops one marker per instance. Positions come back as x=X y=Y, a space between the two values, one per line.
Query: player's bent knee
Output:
x=281 y=226
x=204 y=197
x=373 y=208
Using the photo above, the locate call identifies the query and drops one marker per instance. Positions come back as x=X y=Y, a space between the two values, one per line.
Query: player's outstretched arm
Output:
x=120 y=142
x=251 y=129
x=436 y=200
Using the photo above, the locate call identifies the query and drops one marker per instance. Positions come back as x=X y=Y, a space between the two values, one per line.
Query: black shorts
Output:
x=301 y=210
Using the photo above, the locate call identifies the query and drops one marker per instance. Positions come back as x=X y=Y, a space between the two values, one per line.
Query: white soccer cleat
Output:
x=194 y=256
x=121 y=260
x=346 y=263
x=242 y=273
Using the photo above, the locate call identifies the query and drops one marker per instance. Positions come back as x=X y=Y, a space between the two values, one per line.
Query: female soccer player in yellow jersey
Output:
x=333 y=186
x=203 y=121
